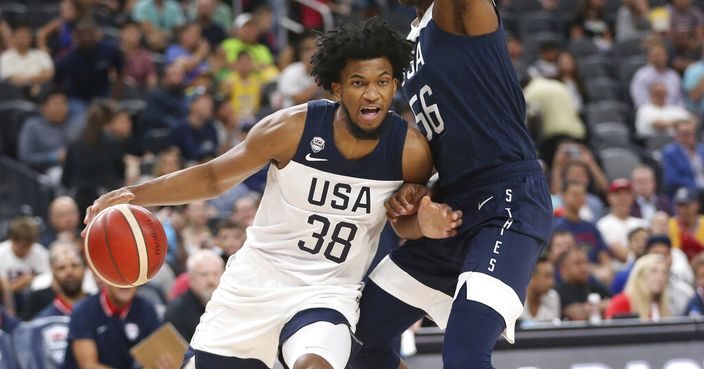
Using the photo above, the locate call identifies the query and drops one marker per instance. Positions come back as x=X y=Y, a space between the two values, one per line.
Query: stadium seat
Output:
x=7 y=352
x=610 y=134
x=618 y=162
x=595 y=66
x=535 y=22
x=582 y=47
x=627 y=67
x=657 y=142
x=12 y=11
x=606 y=111
x=627 y=48
x=13 y=113
x=522 y=6
x=601 y=89
x=41 y=343
x=532 y=42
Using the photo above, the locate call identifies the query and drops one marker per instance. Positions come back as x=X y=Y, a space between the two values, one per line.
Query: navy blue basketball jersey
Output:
x=467 y=100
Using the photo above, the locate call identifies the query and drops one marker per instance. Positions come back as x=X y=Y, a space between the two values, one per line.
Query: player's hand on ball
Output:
x=405 y=201
x=119 y=196
x=438 y=220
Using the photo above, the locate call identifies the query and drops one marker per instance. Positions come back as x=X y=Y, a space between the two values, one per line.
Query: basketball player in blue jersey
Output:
x=462 y=89
x=294 y=287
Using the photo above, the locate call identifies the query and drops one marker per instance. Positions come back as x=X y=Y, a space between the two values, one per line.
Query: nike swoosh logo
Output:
x=310 y=158
x=483 y=202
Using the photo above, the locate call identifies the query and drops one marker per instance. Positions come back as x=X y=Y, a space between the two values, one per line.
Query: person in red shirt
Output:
x=645 y=294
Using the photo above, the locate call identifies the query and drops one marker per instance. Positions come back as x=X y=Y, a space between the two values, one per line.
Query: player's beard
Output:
x=357 y=132
x=72 y=288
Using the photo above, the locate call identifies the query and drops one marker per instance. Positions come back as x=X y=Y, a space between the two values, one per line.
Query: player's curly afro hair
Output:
x=370 y=39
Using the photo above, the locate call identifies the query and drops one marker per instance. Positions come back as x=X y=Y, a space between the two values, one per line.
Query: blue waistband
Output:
x=492 y=175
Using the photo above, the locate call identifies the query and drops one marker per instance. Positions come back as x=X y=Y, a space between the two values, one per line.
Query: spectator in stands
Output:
x=295 y=83
x=166 y=105
x=24 y=66
x=679 y=291
x=245 y=38
x=196 y=233
x=263 y=17
x=542 y=301
x=693 y=84
x=687 y=226
x=105 y=326
x=546 y=65
x=56 y=37
x=683 y=160
x=214 y=18
x=686 y=33
x=244 y=86
x=95 y=163
x=8 y=322
x=226 y=123
x=244 y=210
x=191 y=51
x=657 y=117
x=5 y=35
x=204 y=270
x=158 y=19
x=22 y=258
x=44 y=286
x=560 y=118
x=585 y=233
x=637 y=250
x=645 y=294
x=514 y=44
x=575 y=285
x=68 y=270
x=647 y=201
x=561 y=240
x=139 y=66
x=696 y=304
x=44 y=138
x=656 y=70
x=568 y=73
x=632 y=20
x=229 y=239
x=637 y=240
x=86 y=70
x=64 y=221
x=197 y=137
x=593 y=23
x=615 y=226
x=575 y=163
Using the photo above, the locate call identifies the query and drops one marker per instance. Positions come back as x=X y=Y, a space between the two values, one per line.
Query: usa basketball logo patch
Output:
x=317 y=144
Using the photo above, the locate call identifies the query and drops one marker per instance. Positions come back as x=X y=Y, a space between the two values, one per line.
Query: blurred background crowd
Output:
x=96 y=94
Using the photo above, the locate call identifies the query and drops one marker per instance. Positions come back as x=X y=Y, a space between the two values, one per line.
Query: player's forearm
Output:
x=192 y=184
x=407 y=227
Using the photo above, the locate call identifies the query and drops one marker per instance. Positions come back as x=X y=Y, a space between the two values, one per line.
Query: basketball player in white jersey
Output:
x=294 y=287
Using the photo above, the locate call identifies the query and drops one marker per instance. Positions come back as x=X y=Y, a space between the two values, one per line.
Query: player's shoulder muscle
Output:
x=417 y=157
x=277 y=135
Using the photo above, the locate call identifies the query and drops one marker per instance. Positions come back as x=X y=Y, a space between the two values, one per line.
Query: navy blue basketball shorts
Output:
x=507 y=218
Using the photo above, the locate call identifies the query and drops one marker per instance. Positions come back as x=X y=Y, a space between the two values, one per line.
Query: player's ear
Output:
x=336 y=90
x=395 y=82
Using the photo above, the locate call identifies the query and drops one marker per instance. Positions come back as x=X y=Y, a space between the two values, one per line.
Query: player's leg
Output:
x=317 y=338
x=489 y=296
x=382 y=319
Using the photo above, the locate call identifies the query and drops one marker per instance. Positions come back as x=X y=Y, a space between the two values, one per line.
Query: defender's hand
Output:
x=405 y=201
x=119 y=196
x=438 y=220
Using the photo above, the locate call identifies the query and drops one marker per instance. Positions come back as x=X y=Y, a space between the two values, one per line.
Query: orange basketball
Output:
x=125 y=245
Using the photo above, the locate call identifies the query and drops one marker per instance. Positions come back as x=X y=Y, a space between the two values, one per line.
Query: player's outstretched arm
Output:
x=274 y=139
x=466 y=17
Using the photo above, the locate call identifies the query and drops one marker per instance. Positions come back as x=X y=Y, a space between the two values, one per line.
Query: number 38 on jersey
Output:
x=427 y=113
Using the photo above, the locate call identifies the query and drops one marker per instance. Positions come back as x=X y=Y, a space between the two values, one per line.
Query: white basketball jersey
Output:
x=321 y=215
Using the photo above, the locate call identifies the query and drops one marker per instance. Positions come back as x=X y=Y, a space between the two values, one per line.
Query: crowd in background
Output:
x=105 y=93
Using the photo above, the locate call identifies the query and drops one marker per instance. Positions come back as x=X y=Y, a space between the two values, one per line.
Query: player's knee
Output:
x=311 y=361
